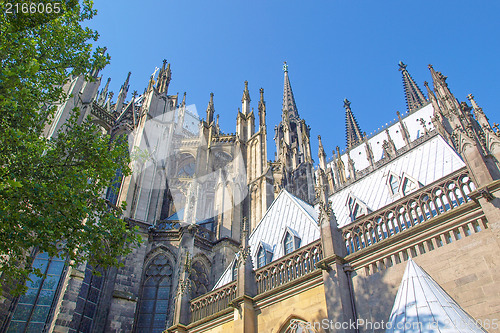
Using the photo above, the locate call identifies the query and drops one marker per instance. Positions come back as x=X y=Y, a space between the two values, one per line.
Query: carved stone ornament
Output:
x=244 y=253
x=325 y=212
x=184 y=286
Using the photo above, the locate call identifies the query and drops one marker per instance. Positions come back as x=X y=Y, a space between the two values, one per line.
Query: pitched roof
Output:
x=421 y=305
x=426 y=163
x=287 y=212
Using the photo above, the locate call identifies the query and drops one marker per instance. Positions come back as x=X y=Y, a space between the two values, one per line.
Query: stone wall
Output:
x=468 y=269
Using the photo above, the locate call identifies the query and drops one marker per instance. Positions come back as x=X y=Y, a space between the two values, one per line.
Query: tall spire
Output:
x=352 y=130
x=245 y=100
x=164 y=78
x=122 y=94
x=262 y=109
x=210 y=109
x=288 y=99
x=415 y=99
x=321 y=154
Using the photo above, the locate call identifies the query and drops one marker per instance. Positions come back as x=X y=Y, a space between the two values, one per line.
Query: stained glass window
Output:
x=32 y=309
x=199 y=279
x=86 y=304
x=155 y=296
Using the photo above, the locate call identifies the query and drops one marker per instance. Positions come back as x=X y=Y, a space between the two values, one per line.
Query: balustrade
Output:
x=416 y=208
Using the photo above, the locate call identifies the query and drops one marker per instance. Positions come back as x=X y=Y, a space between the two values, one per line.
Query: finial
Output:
x=261 y=90
x=402 y=66
x=285 y=67
x=430 y=66
x=347 y=104
x=211 y=97
x=246 y=94
x=164 y=63
x=426 y=84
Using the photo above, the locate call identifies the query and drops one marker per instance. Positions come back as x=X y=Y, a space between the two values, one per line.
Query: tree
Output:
x=51 y=189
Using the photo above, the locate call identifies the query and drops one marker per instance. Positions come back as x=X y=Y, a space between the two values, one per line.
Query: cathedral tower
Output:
x=293 y=168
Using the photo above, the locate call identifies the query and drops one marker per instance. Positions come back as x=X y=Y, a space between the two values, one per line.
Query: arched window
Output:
x=199 y=277
x=155 y=296
x=298 y=326
x=288 y=243
x=33 y=308
x=261 y=257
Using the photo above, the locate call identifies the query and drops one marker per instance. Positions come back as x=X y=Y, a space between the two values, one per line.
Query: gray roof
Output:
x=286 y=213
x=421 y=305
x=426 y=163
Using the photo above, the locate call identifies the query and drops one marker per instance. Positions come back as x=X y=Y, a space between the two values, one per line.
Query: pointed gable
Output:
x=421 y=305
x=287 y=213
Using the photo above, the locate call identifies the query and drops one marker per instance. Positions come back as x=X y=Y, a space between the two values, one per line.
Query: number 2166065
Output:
x=33 y=8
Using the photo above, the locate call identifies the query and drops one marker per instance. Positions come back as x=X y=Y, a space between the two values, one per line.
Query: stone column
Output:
x=246 y=289
x=337 y=283
x=182 y=311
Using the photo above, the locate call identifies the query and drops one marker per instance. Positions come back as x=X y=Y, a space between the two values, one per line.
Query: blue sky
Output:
x=335 y=50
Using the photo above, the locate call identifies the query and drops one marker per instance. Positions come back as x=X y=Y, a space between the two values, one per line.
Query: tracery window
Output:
x=33 y=308
x=199 y=278
x=86 y=304
x=155 y=295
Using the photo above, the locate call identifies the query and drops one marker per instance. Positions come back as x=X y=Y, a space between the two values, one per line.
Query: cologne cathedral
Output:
x=398 y=231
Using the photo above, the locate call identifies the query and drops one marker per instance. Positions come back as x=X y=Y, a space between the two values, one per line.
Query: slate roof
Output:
x=426 y=163
x=286 y=211
x=421 y=305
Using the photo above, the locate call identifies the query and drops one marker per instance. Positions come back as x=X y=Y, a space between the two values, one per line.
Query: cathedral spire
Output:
x=288 y=99
x=443 y=93
x=210 y=109
x=262 y=109
x=245 y=100
x=164 y=78
x=415 y=99
x=321 y=154
x=104 y=93
x=183 y=103
x=352 y=130
x=122 y=94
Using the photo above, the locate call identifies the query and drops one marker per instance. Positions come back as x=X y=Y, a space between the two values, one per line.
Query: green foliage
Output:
x=51 y=190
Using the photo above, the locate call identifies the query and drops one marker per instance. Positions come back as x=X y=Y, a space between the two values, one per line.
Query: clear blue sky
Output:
x=335 y=49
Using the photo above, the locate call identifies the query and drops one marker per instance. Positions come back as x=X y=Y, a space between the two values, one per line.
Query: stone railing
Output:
x=418 y=207
x=224 y=138
x=213 y=302
x=288 y=268
x=102 y=114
